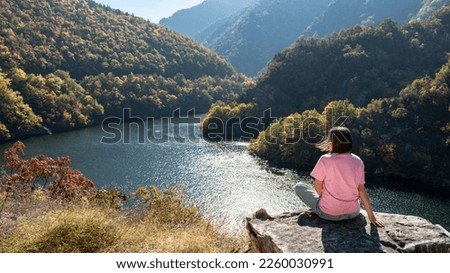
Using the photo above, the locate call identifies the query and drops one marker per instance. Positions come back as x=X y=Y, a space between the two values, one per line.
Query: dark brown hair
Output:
x=339 y=141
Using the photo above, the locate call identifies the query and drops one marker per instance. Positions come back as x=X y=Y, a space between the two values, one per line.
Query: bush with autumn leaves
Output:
x=23 y=176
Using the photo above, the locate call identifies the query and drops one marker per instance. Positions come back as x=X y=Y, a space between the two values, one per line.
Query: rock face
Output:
x=304 y=231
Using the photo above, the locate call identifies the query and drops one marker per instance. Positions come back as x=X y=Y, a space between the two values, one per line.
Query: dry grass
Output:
x=199 y=237
x=66 y=230
x=162 y=224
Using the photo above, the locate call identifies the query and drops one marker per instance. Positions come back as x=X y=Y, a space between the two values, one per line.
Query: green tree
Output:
x=16 y=117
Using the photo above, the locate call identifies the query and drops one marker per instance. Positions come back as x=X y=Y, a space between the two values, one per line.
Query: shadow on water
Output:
x=407 y=185
x=407 y=197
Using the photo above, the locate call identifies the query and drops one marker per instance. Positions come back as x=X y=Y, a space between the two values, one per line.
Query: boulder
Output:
x=305 y=232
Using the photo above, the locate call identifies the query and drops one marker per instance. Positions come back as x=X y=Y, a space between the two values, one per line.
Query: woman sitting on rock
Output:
x=339 y=181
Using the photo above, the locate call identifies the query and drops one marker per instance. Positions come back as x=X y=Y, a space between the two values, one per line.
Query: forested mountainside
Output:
x=405 y=136
x=252 y=37
x=359 y=64
x=195 y=20
x=348 y=13
x=66 y=63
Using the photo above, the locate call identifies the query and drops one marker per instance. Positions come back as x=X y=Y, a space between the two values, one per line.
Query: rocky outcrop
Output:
x=304 y=231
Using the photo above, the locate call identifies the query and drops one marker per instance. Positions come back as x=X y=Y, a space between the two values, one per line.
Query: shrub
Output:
x=167 y=207
x=67 y=230
x=21 y=177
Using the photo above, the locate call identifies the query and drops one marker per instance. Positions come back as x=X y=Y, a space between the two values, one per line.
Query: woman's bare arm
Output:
x=366 y=202
x=318 y=185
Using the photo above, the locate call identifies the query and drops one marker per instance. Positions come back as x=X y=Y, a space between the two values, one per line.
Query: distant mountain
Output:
x=66 y=63
x=360 y=64
x=193 y=21
x=347 y=13
x=251 y=38
x=429 y=6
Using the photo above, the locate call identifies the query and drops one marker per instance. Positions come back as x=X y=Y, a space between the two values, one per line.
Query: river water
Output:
x=222 y=179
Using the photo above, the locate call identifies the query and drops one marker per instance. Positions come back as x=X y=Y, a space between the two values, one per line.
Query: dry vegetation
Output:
x=155 y=221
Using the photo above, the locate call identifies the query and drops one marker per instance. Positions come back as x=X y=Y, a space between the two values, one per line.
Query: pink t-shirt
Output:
x=341 y=175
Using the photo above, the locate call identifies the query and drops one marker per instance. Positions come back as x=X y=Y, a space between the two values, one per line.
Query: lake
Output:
x=222 y=178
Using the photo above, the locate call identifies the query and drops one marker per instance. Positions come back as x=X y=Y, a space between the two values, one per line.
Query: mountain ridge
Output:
x=250 y=38
x=206 y=14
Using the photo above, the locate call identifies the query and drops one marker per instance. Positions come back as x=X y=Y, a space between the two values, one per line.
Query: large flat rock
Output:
x=305 y=232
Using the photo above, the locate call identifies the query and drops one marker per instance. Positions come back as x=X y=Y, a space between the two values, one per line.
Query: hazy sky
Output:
x=153 y=10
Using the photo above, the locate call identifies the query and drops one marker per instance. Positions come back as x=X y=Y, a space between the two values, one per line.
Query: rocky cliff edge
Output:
x=305 y=232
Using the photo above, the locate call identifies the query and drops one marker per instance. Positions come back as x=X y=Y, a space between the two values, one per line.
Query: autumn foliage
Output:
x=22 y=176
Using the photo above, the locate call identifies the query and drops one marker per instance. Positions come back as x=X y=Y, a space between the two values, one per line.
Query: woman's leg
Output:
x=308 y=195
